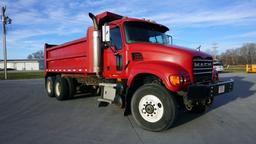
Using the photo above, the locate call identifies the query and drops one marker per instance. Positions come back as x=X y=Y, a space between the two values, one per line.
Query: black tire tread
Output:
x=167 y=100
x=71 y=87
x=52 y=79
x=64 y=88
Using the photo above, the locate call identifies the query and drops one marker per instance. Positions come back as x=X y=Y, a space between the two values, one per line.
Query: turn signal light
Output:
x=175 y=80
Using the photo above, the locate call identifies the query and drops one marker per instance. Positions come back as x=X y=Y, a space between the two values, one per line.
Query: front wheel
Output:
x=153 y=108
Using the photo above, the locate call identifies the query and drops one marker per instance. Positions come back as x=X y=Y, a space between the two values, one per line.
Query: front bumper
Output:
x=205 y=91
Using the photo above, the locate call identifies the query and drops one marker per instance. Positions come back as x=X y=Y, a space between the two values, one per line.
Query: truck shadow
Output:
x=242 y=89
x=82 y=95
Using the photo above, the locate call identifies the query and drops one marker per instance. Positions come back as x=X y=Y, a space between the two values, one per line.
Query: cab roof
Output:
x=107 y=17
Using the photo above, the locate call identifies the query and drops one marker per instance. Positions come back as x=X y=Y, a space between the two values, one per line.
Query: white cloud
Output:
x=230 y=15
x=33 y=18
x=242 y=35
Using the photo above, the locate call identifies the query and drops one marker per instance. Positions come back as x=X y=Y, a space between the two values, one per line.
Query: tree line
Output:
x=39 y=55
x=240 y=56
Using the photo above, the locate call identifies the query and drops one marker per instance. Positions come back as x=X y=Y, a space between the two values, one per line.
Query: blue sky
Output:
x=229 y=23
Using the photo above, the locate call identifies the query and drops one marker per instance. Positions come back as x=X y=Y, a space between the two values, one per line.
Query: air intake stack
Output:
x=96 y=45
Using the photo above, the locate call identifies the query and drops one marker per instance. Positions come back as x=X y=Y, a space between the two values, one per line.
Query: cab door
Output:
x=114 y=55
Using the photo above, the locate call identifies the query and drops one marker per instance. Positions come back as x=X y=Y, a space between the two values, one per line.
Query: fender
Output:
x=161 y=69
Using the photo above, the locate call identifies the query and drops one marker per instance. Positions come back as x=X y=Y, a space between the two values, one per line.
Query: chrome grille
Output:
x=202 y=69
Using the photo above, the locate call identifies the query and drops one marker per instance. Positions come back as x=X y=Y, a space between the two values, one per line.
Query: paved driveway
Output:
x=27 y=115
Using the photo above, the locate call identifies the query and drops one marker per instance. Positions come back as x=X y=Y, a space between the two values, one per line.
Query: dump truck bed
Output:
x=71 y=57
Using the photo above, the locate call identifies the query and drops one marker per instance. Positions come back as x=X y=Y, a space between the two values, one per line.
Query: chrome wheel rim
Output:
x=151 y=108
x=49 y=86
x=57 y=89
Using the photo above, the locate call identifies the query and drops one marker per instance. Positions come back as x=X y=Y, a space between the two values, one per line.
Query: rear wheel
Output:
x=61 y=88
x=153 y=108
x=49 y=82
x=71 y=87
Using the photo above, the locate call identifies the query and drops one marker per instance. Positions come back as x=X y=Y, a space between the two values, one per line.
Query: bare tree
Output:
x=36 y=55
x=243 y=55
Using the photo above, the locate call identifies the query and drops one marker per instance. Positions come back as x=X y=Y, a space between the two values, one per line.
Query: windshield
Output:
x=145 y=32
x=217 y=64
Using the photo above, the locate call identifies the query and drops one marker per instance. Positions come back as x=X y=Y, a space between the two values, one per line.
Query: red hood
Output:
x=168 y=49
x=169 y=53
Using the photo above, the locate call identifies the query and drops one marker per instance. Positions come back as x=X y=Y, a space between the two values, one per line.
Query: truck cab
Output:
x=135 y=65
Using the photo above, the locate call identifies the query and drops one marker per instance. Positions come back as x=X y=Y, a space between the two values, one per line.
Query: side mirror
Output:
x=170 y=39
x=105 y=34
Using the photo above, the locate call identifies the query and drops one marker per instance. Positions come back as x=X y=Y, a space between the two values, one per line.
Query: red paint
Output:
x=160 y=60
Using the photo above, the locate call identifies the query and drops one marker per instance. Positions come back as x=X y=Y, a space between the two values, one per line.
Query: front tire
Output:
x=153 y=108
x=61 y=88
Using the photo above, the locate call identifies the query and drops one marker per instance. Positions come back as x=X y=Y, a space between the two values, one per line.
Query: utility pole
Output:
x=5 y=20
x=214 y=50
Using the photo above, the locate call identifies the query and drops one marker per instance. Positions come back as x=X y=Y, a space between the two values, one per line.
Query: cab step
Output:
x=108 y=94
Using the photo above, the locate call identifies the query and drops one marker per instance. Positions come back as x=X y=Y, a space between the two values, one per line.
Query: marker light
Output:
x=176 y=80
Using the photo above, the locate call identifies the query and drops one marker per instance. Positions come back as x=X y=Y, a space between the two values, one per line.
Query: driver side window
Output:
x=116 y=38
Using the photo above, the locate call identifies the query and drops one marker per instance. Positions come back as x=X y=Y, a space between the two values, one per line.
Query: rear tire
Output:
x=153 y=107
x=71 y=87
x=49 y=86
x=61 y=88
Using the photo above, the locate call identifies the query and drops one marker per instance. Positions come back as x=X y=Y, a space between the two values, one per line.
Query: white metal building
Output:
x=20 y=64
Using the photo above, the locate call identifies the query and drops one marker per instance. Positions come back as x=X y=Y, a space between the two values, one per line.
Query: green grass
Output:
x=40 y=74
x=22 y=75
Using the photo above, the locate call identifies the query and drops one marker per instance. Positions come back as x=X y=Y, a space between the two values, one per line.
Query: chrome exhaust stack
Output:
x=96 y=45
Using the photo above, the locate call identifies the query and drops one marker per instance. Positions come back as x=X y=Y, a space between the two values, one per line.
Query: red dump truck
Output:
x=131 y=62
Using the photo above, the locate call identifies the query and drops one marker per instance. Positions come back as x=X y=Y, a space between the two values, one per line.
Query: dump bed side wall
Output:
x=72 y=57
